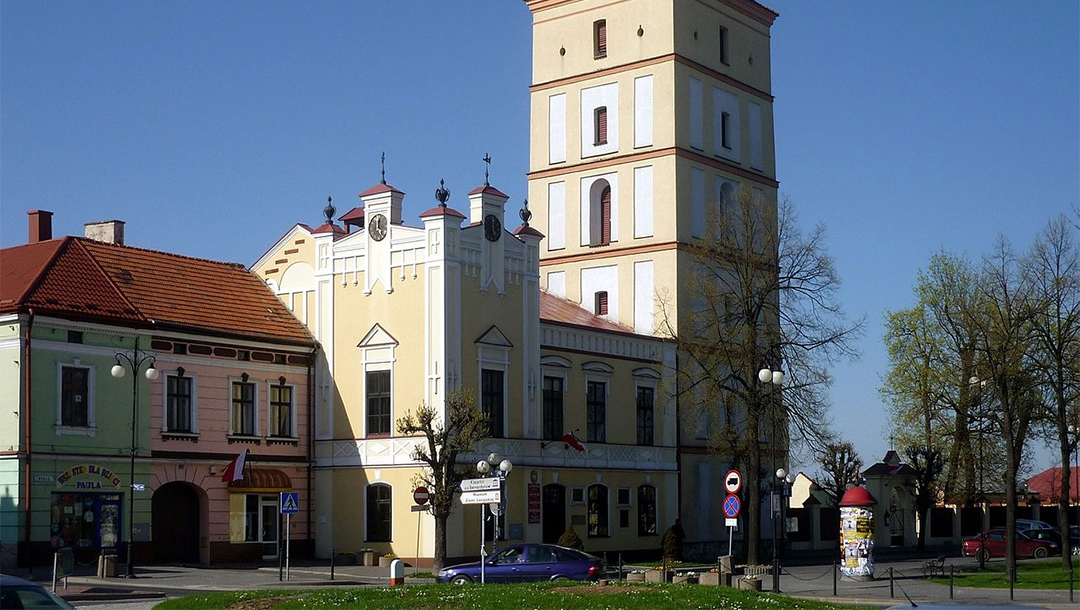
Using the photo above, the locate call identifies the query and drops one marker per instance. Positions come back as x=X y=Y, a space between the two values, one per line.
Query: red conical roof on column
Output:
x=857 y=496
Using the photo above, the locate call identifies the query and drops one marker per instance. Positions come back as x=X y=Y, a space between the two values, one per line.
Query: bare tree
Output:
x=760 y=293
x=1053 y=269
x=928 y=465
x=446 y=436
x=841 y=469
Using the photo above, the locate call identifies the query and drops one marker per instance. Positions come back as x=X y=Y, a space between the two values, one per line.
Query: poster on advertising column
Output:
x=857 y=541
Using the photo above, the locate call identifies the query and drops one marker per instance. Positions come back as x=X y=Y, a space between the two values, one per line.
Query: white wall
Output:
x=596 y=279
x=556 y=237
x=697 y=130
x=643 y=111
x=643 y=201
x=591 y=99
x=644 y=319
x=557 y=128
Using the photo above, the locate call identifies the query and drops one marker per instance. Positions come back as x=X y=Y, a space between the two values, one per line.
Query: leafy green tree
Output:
x=928 y=466
x=446 y=435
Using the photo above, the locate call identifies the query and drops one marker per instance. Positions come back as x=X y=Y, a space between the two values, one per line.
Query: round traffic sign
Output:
x=733 y=482
x=420 y=495
x=732 y=506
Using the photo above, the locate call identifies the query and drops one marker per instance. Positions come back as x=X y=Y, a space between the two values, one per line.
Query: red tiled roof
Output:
x=440 y=210
x=357 y=212
x=107 y=282
x=382 y=187
x=489 y=190
x=330 y=227
x=561 y=311
x=527 y=230
x=1048 y=484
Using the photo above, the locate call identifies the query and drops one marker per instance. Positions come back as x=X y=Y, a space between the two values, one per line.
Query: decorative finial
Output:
x=486 y=159
x=525 y=214
x=329 y=210
x=382 y=164
x=442 y=194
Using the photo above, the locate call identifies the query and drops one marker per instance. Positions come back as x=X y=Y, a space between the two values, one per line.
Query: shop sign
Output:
x=88 y=469
x=43 y=478
x=534 y=503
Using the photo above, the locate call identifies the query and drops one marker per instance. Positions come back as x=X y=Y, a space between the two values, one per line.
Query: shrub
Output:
x=570 y=539
x=671 y=543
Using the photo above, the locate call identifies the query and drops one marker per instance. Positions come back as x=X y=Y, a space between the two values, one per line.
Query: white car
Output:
x=1032 y=524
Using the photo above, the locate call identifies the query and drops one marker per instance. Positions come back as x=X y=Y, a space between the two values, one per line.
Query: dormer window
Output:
x=600 y=39
x=601 y=303
x=600 y=126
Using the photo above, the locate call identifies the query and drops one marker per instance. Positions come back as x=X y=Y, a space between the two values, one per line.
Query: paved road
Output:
x=814 y=581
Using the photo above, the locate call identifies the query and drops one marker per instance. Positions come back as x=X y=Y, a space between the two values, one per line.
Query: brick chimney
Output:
x=40 y=226
x=108 y=231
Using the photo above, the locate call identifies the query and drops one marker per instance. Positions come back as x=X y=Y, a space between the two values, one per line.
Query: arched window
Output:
x=379 y=510
x=646 y=502
x=600 y=213
x=598 y=511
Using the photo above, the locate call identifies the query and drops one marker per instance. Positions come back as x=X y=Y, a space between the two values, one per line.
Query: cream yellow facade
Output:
x=647 y=117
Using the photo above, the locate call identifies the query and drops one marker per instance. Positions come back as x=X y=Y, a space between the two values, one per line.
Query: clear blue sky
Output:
x=212 y=127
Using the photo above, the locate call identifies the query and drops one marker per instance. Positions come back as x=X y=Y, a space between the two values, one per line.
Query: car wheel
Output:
x=1040 y=552
x=983 y=555
x=460 y=579
x=561 y=578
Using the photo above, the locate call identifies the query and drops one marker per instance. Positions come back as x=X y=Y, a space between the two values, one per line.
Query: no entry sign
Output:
x=420 y=495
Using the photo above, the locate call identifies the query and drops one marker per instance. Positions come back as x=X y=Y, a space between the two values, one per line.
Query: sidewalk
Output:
x=810 y=581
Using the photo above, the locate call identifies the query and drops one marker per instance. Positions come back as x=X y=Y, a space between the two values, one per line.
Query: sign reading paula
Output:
x=88 y=469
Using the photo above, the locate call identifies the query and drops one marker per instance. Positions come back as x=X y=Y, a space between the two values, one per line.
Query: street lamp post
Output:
x=495 y=467
x=1074 y=429
x=979 y=384
x=776 y=379
x=134 y=361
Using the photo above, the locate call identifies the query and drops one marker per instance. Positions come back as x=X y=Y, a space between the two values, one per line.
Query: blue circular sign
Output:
x=732 y=506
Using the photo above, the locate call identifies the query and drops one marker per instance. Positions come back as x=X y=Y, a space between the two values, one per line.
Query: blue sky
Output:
x=212 y=127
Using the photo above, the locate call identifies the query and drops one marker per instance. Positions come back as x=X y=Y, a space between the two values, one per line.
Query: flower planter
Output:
x=370 y=559
x=636 y=577
x=345 y=559
x=711 y=579
x=384 y=562
x=752 y=584
x=688 y=579
x=658 y=576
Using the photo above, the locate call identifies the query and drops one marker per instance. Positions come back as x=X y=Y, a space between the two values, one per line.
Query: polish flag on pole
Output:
x=571 y=439
x=235 y=470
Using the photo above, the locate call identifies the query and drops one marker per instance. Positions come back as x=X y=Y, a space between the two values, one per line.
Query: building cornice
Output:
x=637 y=157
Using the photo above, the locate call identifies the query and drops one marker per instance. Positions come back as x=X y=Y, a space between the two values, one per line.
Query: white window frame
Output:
x=495 y=358
x=378 y=352
x=292 y=410
x=629 y=491
x=91 y=416
x=194 y=401
x=577 y=495
x=255 y=406
x=599 y=372
x=645 y=377
x=554 y=366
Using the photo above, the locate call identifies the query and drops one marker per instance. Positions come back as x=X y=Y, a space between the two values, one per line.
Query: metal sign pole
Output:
x=730 y=539
x=288 y=537
x=416 y=566
x=483 y=544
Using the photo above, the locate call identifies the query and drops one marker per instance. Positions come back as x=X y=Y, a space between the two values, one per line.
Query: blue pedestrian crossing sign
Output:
x=290 y=502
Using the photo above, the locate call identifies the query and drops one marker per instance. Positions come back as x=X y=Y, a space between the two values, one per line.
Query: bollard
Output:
x=397 y=572
x=663 y=570
x=280 y=566
x=332 y=557
x=1072 y=572
x=620 y=566
x=892 y=594
x=834 y=571
x=951 y=581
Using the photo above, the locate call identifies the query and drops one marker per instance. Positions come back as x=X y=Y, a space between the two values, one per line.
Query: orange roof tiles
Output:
x=560 y=311
x=97 y=280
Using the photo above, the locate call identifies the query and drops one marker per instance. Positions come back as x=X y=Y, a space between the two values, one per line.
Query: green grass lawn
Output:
x=555 y=596
x=1042 y=574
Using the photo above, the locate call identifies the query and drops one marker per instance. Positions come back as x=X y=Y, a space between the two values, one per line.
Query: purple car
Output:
x=527 y=563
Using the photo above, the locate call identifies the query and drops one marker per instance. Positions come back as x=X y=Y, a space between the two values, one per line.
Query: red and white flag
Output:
x=235 y=470
x=571 y=439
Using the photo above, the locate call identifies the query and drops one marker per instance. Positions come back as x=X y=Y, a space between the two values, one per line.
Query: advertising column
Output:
x=857 y=534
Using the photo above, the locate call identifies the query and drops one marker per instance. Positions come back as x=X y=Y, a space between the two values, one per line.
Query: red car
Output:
x=991 y=543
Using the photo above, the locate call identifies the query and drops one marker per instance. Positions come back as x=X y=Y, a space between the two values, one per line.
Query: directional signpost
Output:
x=480 y=491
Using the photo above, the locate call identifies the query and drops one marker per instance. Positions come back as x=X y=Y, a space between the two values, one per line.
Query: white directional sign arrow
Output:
x=481 y=497
x=479 y=484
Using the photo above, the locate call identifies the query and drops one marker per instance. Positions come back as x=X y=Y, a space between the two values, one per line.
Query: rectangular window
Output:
x=623 y=496
x=598 y=511
x=601 y=303
x=600 y=126
x=243 y=408
x=491 y=399
x=75 y=396
x=379 y=515
x=645 y=433
x=378 y=402
x=723 y=45
x=178 y=404
x=553 y=408
x=600 y=38
x=725 y=130
x=646 y=510
x=596 y=407
x=281 y=411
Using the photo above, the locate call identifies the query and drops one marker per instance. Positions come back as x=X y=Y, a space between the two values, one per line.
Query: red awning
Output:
x=265 y=479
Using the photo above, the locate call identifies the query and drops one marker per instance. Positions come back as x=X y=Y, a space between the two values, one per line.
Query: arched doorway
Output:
x=554 y=512
x=175 y=523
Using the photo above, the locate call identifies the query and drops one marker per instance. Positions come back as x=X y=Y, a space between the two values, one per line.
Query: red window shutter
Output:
x=601 y=303
x=601 y=38
x=605 y=216
x=601 y=126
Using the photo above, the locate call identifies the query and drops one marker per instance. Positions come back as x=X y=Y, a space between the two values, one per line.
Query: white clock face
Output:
x=378 y=227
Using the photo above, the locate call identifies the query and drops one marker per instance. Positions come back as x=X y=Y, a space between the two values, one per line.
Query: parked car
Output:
x=16 y=593
x=1039 y=534
x=1074 y=539
x=991 y=543
x=527 y=563
x=1033 y=524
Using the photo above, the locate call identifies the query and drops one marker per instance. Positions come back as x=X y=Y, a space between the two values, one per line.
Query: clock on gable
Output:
x=492 y=228
x=377 y=228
